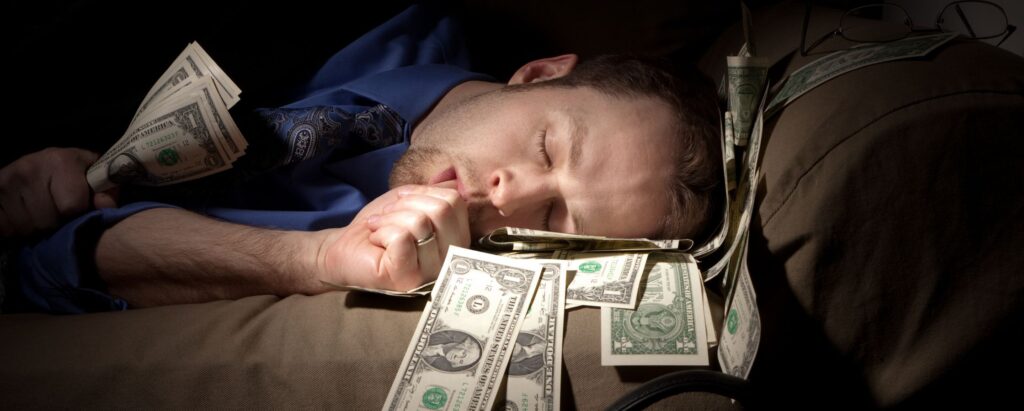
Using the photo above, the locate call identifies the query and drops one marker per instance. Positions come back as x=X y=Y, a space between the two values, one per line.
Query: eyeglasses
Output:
x=973 y=19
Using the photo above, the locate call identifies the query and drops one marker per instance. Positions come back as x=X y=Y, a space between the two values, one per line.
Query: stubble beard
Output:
x=410 y=168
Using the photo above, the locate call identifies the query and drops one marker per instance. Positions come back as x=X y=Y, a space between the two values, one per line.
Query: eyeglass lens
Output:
x=887 y=22
x=875 y=23
x=973 y=19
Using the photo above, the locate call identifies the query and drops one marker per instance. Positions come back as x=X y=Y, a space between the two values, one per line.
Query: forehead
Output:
x=620 y=187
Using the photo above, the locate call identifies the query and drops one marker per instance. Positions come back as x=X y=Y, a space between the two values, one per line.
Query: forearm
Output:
x=169 y=256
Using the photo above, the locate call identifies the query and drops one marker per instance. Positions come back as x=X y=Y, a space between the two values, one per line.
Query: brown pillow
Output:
x=885 y=246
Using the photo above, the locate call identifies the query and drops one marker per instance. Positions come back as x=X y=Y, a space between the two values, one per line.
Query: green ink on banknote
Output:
x=733 y=322
x=590 y=267
x=168 y=157
x=434 y=398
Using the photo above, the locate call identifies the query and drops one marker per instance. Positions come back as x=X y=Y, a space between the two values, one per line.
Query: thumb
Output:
x=106 y=199
x=87 y=157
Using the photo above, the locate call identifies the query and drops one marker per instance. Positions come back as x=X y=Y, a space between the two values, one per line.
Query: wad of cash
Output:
x=180 y=132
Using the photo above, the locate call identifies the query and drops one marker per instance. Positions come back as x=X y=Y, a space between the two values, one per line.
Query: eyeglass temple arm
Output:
x=803 y=37
x=1009 y=30
x=963 y=18
x=807 y=20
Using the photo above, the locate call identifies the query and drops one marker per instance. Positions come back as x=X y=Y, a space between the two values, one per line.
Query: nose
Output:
x=512 y=191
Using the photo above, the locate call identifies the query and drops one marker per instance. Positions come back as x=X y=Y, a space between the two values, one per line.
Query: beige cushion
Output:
x=338 y=350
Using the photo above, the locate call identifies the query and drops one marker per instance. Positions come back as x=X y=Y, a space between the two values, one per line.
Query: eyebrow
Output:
x=576 y=132
x=577 y=129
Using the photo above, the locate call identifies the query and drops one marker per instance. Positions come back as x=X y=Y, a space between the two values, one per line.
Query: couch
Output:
x=884 y=250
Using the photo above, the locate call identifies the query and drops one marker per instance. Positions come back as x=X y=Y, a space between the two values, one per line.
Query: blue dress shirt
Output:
x=408 y=64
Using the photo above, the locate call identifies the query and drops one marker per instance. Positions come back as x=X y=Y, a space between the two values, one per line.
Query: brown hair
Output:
x=696 y=191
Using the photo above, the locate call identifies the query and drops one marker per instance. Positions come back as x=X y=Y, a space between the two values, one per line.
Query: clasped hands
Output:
x=397 y=241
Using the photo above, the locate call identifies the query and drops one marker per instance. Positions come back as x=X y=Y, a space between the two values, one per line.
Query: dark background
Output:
x=77 y=70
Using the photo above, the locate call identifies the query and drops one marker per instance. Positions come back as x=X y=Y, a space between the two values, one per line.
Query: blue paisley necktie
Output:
x=303 y=133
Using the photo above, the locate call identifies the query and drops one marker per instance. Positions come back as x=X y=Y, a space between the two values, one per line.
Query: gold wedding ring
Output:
x=425 y=240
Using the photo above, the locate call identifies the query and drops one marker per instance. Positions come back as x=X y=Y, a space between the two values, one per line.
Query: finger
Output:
x=429 y=258
x=452 y=197
x=399 y=265
x=17 y=216
x=450 y=225
x=106 y=199
x=86 y=156
x=414 y=221
x=15 y=179
x=69 y=191
x=447 y=194
x=6 y=229
x=40 y=207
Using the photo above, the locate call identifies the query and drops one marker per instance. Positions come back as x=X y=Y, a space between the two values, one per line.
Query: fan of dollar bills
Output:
x=500 y=317
x=180 y=132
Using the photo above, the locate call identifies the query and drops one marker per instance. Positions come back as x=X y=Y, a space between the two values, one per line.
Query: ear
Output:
x=544 y=69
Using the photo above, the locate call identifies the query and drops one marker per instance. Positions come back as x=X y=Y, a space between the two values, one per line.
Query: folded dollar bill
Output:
x=180 y=132
x=524 y=239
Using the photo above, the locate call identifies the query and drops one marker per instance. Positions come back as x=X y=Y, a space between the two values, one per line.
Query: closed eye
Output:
x=542 y=139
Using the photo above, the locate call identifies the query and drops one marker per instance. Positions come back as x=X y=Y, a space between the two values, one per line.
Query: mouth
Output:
x=447 y=175
x=449 y=178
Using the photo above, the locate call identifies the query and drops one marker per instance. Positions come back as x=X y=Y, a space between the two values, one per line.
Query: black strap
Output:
x=681 y=382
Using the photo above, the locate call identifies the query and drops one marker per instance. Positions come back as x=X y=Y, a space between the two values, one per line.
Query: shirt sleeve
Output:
x=58 y=274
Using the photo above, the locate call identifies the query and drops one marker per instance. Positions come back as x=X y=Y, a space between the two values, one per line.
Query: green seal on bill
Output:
x=434 y=398
x=590 y=267
x=733 y=322
x=168 y=157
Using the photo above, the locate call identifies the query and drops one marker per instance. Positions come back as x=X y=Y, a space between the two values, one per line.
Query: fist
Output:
x=45 y=188
x=399 y=240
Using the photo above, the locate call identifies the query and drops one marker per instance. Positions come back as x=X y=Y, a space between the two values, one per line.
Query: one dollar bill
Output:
x=667 y=328
x=535 y=368
x=741 y=336
x=459 y=353
x=747 y=77
x=606 y=279
x=836 y=64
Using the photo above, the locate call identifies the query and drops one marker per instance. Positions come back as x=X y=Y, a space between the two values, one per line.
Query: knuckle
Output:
x=452 y=197
x=436 y=207
x=68 y=205
x=53 y=155
x=68 y=158
x=422 y=221
x=21 y=170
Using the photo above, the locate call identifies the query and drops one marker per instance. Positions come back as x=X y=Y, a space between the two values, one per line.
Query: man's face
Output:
x=572 y=160
x=463 y=354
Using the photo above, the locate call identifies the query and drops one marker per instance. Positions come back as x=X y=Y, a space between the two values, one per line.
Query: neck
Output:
x=453 y=97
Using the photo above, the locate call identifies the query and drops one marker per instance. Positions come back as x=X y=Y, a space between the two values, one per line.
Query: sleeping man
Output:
x=436 y=156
